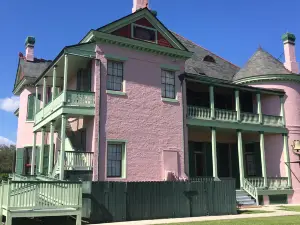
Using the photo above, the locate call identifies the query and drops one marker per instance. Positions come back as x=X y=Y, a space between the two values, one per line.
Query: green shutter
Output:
x=46 y=160
x=191 y=159
x=30 y=107
x=257 y=159
x=208 y=159
x=89 y=77
x=37 y=159
x=19 y=161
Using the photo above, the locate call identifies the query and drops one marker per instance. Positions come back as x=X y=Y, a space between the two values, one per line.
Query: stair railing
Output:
x=251 y=190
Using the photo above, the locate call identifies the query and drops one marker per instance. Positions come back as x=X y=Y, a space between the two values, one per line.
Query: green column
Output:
x=51 y=150
x=287 y=159
x=237 y=105
x=259 y=110
x=212 y=101
x=282 y=113
x=214 y=152
x=33 y=154
x=44 y=92
x=241 y=157
x=62 y=147
x=41 y=161
x=263 y=158
x=54 y=91
x=65 y=78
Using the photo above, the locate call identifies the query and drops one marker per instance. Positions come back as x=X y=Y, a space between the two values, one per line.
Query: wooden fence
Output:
x=121 y=201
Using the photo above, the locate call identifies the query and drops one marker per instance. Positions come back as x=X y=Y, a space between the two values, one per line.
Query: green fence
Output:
x=121 y=201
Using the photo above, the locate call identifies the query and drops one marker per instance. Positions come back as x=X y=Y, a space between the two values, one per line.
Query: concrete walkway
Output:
x=274 y=211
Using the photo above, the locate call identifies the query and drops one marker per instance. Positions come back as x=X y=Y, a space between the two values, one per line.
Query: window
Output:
x=114 y=76
x=31 y=106
x=115 y=158
x=208 y=58
x=144 y=33
x=168 y=84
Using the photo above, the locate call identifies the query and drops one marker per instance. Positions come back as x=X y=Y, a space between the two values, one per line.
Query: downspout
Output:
x=183 y=101
x=100 y=102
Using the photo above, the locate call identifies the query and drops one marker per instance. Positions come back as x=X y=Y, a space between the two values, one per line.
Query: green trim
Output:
x=236 y=126
x=144 y=13
x=30 y=40
x=174 y=100
x=124 y=157
x=20 y=85
x=17 y=112
x=115 y=57
x=120 y=93
x=236 y=84
x=116 y=140
x=170 y=67
x=275 y=192
x=259 y=79
x=140 y=45
x=291 y=38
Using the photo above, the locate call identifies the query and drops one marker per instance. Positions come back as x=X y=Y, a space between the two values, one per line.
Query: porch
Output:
x=226 y=153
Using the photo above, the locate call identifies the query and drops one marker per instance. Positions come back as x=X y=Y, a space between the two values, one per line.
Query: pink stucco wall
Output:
x=149 y=125
x=274 y=144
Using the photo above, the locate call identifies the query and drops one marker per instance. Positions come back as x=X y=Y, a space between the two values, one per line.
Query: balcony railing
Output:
x=73 y=98
x=272 y=182
x=75 y=160
x=231 y=116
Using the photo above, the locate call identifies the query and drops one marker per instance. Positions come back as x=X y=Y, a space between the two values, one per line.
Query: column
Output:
x=62 y=147
x=51 y=149
x=241 y=157
x=32 y=169
x=65 y=78
x=41 y=163
x=287 y=159
x=237 y=105
x=212 y=101
x=259 y=111
x=263 y=158
x=282 y=113
x=44 y=92
x=54 y=91
x=214 y=152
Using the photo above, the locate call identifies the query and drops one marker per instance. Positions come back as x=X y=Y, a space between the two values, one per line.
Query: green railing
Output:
x=75 y=160
x=251 y=190
x=272 y=182
x=73 y=98
x=18 y=195
x=231 y=116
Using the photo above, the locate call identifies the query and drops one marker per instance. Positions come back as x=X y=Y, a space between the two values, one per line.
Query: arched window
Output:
x=208 y=58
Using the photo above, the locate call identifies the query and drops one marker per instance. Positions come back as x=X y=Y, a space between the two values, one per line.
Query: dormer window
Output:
x=208 y=58
x=144 y=33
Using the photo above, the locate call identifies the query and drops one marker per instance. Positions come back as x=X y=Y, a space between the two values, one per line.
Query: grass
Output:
x=252 y=211
x=283 y=220
x=290 y=208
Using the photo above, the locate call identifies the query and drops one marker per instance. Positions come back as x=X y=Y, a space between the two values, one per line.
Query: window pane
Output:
x=114 y=76
x=168 y=84
x=114 y=160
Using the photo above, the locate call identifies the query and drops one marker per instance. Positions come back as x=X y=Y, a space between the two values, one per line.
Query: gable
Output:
x=143 y=26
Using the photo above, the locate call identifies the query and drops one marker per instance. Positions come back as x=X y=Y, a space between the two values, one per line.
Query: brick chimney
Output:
x=289 y=52
x=139 y=4
x=29 y=48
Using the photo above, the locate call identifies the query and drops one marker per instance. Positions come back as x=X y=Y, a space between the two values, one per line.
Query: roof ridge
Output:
x=207 y=50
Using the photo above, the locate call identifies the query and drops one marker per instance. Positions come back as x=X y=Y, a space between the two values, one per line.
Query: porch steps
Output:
x=243 y=199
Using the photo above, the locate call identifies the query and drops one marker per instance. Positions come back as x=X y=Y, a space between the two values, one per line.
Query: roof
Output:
x=35 y=68
x=220 y=69
x=261 y=63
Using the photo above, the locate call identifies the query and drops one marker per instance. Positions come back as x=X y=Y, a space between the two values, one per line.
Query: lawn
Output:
x=291 y=208
x=283 y=220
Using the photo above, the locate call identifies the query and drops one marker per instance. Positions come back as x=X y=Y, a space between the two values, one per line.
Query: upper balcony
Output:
x=216 y=103
x=66 y=89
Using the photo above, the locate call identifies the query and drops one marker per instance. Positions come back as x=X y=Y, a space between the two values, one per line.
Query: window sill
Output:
x=170 y=100
x=115 y=92
x=29 y=121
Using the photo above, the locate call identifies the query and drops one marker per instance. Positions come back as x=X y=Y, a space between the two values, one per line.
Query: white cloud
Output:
x=6 y=141
x=9 y=104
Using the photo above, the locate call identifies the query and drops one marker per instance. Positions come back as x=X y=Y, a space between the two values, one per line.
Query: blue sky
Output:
x=232 y=29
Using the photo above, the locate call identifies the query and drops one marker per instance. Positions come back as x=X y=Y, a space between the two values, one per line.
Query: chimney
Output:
x=290 y=53
x=139 y=4
x=29 y=50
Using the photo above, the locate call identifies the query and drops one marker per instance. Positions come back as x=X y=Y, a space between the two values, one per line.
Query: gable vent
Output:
x=208 y=58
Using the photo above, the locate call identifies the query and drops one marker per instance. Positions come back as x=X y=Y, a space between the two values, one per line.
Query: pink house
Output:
x=133 y=101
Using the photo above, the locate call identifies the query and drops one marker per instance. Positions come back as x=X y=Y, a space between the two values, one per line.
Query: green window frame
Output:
x=115 y=71
x=168 y=84
x=116 y=159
